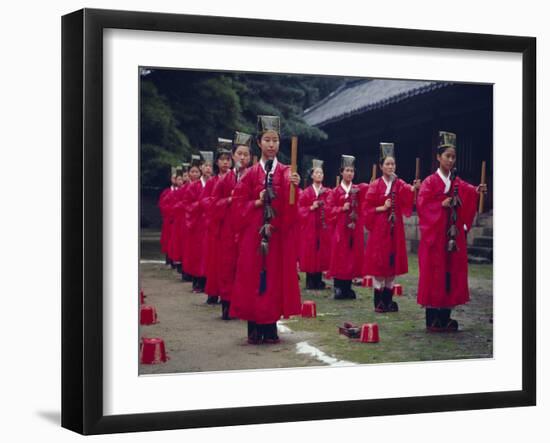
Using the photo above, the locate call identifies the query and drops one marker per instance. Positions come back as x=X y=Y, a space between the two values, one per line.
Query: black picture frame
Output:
x=82 y=217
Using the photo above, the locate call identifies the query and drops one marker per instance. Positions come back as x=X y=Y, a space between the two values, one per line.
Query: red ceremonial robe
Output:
x=348 y=245
x=178 y=226
x=168 y=205
x=212 y=244
x=433 y=259
x=190 y=196
x=315 y=233
x=282 y=294
x=198 y=198
x=164 y=216
x=227 y=237
x=380 y=242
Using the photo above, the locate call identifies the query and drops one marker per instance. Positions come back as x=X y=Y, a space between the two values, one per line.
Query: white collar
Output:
x=203 y=181
x=317 y=190
x=346 y=188
x=388 y=185
x=446 y=180
x=275 y=163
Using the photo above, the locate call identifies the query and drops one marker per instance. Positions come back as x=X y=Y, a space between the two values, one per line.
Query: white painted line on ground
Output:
x=152 y=261
x=305 y=348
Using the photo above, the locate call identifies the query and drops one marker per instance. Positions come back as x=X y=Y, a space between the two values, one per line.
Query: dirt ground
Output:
x=196 y=339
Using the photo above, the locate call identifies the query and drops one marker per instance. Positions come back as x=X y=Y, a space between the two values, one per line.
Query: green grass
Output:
x=403 y=336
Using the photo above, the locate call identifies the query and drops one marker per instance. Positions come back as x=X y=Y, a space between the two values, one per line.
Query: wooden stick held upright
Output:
x=373 y=176
x=482 y=195
x=293 y=167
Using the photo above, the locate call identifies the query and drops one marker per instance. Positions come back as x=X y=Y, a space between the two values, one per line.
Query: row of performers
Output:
x=235 y=234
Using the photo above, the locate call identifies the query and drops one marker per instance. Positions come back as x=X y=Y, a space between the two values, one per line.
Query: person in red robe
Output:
x=388 y=199
x=446 y=207
x=163 y=207
x=348 y=244
x=225 y=214
x=315 y=230
x=178 y=226
x=168 y=204
x=266 y=283
x=222 y=166
x=199 y=198
x=187 y=199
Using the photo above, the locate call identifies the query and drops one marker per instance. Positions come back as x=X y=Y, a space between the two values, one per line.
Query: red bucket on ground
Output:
x=397 y=290
x=309 y=309
x=147 y=315
x=369 y=333
x=366 y=282
x=152 y=351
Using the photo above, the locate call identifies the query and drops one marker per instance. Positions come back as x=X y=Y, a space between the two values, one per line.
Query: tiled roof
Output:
x=365 y=95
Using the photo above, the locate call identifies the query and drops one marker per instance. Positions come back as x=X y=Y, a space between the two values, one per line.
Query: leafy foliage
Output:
x=183 y=111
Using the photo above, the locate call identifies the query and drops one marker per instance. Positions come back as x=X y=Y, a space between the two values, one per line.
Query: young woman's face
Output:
x=206 y=169
x=447 y=160
x=348 y=173
x=224 y=163
x=317 y=175
x=194 y=173
x=185 y=177
x=388 y=167
x=269 y=144
x=242 y=156
x=179 y=180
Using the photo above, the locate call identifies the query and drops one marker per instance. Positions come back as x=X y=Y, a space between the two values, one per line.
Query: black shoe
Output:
x=338 y=290
x=166 y=260
x=178 y=267
x=270 y=335
x=255 y=336
x=309 y=281
x=446 y=322
x=379 y=305
x=318 y=281
x=201 y=284
x=212 y=300
x=186 y=277
x=348 y=292
x=225 y=310
x=387 y=296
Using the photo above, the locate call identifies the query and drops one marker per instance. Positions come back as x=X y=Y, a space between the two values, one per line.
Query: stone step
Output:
x=483 y=241
x=488 y=232
x=484 y=220
x=475 y=260
x=481 y=251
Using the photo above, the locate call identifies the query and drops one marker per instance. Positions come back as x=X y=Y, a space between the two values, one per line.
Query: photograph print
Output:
x=291 y=221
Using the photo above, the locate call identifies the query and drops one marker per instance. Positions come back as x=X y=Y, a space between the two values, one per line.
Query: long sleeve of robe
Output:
x=433 y=259
x=348 y=245
x=227 y=240
x=282 y=294
x=178 y=225
x=381 y=243
x=196 y=231
x=315 y=234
